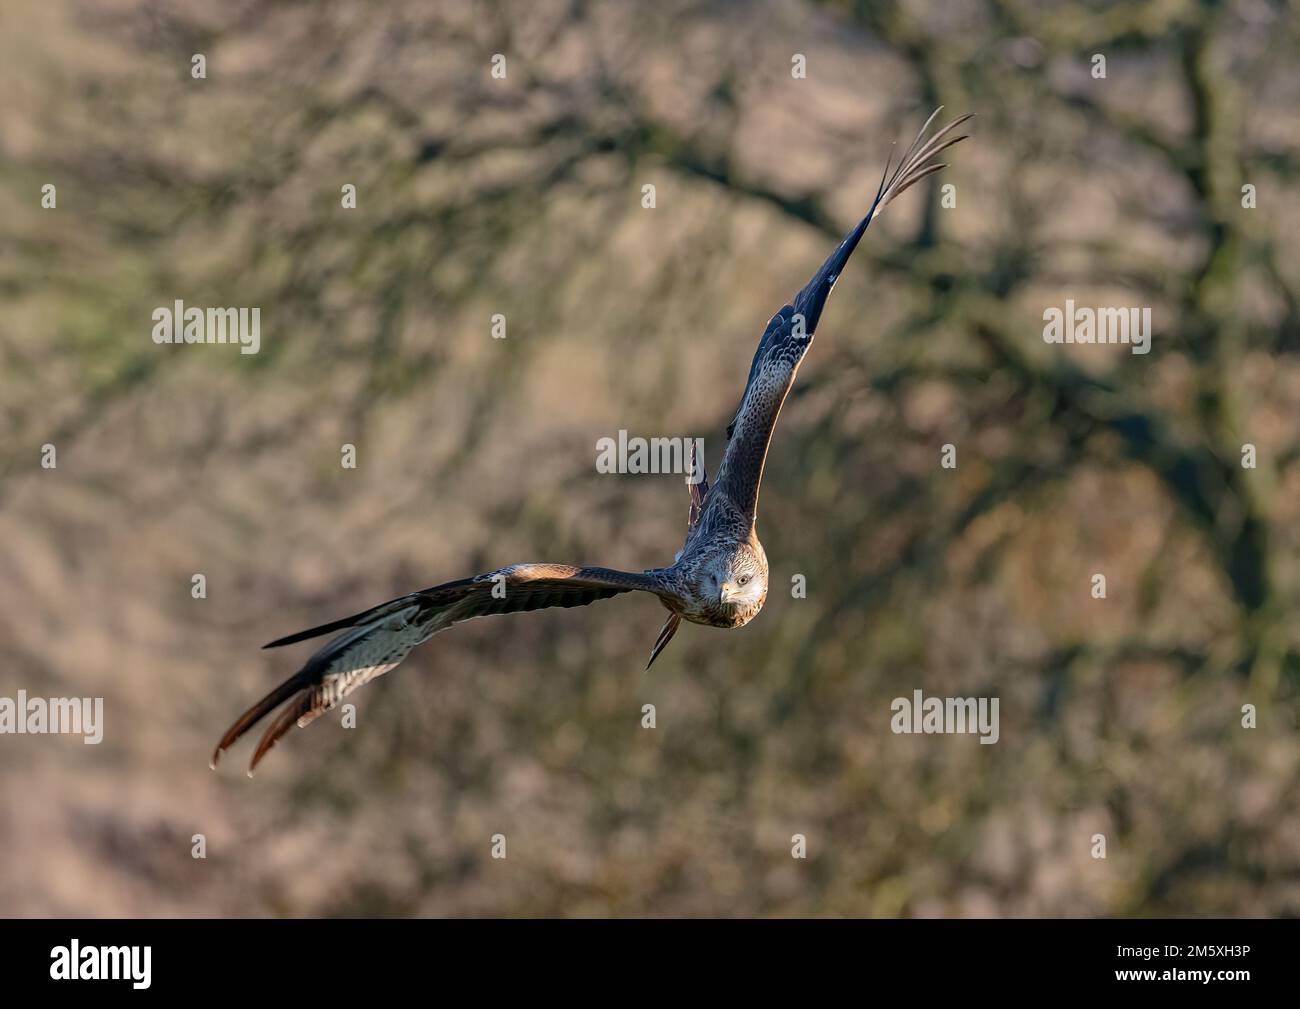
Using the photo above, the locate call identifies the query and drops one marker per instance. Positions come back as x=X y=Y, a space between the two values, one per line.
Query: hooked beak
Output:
x=728 y=589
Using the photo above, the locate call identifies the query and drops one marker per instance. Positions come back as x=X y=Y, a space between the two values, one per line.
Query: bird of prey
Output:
x=719 y=577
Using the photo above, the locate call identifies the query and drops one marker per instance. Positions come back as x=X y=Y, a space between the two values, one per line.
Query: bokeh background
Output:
x=522 y=197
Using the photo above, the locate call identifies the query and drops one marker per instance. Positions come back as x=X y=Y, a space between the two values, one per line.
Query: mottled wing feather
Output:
x=697 y=486
x=378 y=639
x=749 y=435
x=790 y=333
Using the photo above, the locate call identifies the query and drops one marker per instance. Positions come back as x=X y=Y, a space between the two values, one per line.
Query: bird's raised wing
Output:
x=790 y=333
x=378 y=639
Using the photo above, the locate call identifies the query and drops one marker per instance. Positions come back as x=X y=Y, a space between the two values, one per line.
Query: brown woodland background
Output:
x=522 y=197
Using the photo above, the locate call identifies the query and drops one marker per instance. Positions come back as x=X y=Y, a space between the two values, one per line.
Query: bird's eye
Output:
x=744 y=579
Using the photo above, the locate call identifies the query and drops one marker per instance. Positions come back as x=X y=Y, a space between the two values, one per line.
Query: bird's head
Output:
x=737 y=578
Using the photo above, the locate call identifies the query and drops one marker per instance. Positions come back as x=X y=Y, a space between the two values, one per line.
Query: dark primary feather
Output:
x=376 y=640
x=790 y=332
x=370 y=615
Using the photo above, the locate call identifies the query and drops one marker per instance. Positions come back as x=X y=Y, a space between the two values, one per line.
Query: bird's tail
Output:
x=666 y=633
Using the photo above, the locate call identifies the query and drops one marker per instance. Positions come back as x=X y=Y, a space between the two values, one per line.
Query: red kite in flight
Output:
x=719 y=578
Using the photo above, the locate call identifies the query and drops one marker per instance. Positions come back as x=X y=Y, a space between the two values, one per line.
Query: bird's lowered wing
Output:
x=376 y=640
x=790 y=333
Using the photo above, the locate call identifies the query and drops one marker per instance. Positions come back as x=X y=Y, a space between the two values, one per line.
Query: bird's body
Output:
x=719 y=578
x=722 y=549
